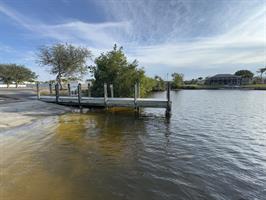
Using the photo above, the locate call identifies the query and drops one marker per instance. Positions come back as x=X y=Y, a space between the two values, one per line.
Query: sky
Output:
x=198 y=38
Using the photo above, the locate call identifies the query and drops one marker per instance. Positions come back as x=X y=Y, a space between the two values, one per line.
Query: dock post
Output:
x=105 y=94
x=50 y=88
x=89 y=90
x=168 y=109
x=79 y=95
x=38 y=91
x=138 y=109
x=57 y=93
x=68 y=89
x=135 y=94
x=112 y=90
x=138 y=84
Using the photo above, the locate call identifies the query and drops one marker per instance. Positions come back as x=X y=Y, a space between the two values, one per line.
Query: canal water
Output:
x=213 y=147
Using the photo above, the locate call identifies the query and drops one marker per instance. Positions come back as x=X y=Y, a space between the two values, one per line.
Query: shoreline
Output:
x=18 y=109
x=17 y=114
x=198 y=87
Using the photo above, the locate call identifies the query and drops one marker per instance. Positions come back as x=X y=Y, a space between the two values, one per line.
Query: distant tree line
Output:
x=244 y=73
x=13 y=73
x=69 y=63
x=261 y=71
x=248 y=74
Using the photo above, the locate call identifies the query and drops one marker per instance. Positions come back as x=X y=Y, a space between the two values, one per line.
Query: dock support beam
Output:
x=68 y=89
x=57 y=93
x=136 y=96
x=168 y=109
x=89 y=90
x=50 y=88
x=135 y=93
x=138 y=85
x=38 y=91
x=79 y=95
x=105 y=94
x=112 y=90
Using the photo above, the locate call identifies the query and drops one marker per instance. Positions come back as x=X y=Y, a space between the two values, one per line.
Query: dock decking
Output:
x=110 y=102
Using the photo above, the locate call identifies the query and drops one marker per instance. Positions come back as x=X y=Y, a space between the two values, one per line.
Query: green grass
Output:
x=254 y=86
x=195 y=87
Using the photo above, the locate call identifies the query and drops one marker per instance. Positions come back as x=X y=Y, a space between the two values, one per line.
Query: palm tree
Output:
x=261 y=71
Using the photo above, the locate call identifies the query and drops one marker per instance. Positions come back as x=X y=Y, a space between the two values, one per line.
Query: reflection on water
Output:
x=212 y=148
x=71 y=158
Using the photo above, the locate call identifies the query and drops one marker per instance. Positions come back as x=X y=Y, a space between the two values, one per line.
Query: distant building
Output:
x=246 y=81
x=224 y=80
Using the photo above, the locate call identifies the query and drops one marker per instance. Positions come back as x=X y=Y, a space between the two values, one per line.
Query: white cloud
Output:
x=97 y=35
x=245 y=43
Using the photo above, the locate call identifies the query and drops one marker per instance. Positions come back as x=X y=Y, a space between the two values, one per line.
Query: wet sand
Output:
x=18 y=107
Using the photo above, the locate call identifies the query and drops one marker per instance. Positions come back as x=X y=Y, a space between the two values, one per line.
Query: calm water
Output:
x=213 y=147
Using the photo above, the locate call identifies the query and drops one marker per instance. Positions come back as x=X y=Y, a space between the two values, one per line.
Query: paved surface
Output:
x=9 y=95
x=18 y=108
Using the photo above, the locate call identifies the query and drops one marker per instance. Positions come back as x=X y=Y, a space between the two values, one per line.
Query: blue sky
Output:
x=193 y=37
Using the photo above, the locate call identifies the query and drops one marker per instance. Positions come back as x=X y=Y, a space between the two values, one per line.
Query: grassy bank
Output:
x=255 y=87
x=207 y=87
x=199 y=87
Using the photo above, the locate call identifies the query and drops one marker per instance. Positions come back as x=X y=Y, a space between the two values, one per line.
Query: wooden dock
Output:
x=108 y=102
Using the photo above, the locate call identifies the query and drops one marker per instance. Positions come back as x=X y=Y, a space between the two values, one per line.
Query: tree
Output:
x=177 y=80
x=21 y=74
x=147 y=85
x=15 y=73
x=244 y=74
x=261 y=71
x=64 y=60
x=159 y=84
x=6 y=74
x=113 y=68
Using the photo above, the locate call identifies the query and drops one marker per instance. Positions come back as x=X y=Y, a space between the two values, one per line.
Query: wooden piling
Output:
x=38 y=91
x=50 y=88
x=112 y=90
x=138 y=85
x=57 y=93
x=105 y=94
x=89 y=90
x=79 y=95
x=136 y=96
x=135 y=93
x=169 y=105
x=68 y=89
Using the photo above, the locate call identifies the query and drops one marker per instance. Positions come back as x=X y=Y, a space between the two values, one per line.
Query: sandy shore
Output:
x=17 y=108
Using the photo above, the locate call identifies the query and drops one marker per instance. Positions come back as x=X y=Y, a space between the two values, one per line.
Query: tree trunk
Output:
x=58 y=78
x=16 y=84
x=261 y=78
